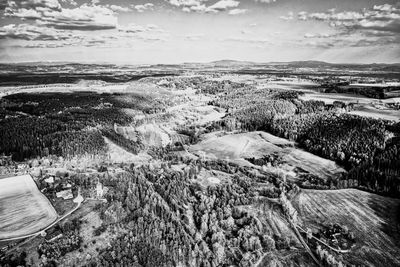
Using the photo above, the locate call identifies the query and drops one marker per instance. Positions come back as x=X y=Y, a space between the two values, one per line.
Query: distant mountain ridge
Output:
x=223 y=62
x=305 y=63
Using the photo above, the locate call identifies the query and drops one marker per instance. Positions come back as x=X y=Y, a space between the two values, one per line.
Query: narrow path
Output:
x=307 y=248
x=239 y=152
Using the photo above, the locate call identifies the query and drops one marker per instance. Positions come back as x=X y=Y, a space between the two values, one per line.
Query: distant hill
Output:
x=395 y=67
x=227 y=62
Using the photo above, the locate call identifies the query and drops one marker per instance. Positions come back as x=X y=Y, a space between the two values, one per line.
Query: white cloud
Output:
x=144 y=7
x=117 y=8
x=50 y=13
x=237 y=11
x=43 y=37
x=31 y=32
x=318 y=35
x=265 y=1
x=290 y=16
x=223 y=5
x=302 y=15
x=380 y=18
x=71 y=2
x=201 y=7
x=249 y=40
x=194 y=37
x=149 y=32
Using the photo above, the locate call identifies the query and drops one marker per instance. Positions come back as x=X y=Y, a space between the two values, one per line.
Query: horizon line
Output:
x=194 y=62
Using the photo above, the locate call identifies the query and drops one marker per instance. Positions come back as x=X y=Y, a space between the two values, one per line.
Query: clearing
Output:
x=23 y=208
x=372 y=218
x=117 y=154
x=237 y=147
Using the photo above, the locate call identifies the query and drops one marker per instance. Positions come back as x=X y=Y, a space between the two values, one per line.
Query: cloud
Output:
x=290 y=16
x=50 y=13
x=30 y=36
x=71 y=2
x=249 y=40
x=265 y=1
x=385 y=18
x=302 y=15
x=32 y=33
x=201 y=7
x=144 y=7
x=349 y=41
x=223 y=5
x=33 y=4
x=377 y=26
x=237 y=11
x=194 y=37
x=318 y=35
x=149 y=32
x=117 y=8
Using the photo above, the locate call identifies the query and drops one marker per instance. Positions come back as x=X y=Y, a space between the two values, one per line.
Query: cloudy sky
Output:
x=175 y=31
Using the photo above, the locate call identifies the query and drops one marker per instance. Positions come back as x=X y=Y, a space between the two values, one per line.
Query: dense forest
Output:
x=155 y=214
x=68 y=124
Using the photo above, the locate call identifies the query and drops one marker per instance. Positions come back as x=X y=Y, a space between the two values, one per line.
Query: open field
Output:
x=373 y=219
x=363 y=106
x=23 y=208
x=238 y=147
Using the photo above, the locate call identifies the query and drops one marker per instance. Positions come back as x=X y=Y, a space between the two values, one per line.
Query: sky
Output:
x=177 y=31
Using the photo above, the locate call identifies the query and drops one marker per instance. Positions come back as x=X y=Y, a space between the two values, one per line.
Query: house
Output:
x=49 y=180
x=65 y=194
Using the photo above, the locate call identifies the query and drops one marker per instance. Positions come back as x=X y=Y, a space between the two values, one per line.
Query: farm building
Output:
x=65 y=194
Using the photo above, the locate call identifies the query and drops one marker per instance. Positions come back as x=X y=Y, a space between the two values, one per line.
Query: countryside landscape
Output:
x=209 y=164
x=199 y=133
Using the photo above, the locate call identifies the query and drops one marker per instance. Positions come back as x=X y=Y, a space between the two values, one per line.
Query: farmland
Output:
x=373 y=219
x=24 y=210
x=291 y=160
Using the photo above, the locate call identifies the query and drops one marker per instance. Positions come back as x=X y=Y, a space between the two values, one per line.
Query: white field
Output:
x=237 y=147
x=23 y=208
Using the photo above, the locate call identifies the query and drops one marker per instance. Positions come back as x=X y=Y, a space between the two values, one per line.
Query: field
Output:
x=23 y=209
x=238 y=147
x=363 y=106
x=373 y=219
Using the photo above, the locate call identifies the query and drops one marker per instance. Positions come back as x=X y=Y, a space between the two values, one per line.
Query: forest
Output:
x=153 y=211
x=67 y=124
